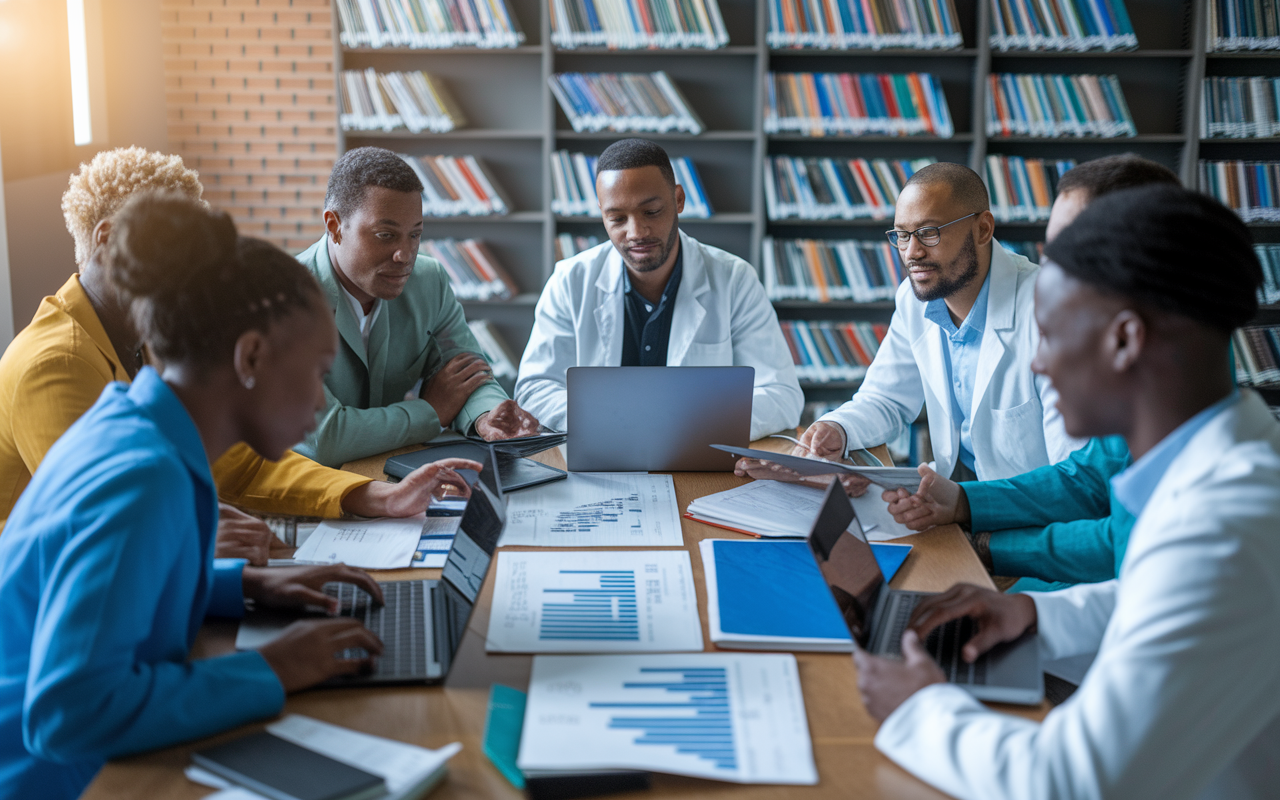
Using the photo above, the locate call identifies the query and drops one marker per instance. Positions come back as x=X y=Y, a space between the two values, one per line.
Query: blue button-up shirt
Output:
x=106 y=574
x=647 y=328
x=1134 y=487
x=961 y=346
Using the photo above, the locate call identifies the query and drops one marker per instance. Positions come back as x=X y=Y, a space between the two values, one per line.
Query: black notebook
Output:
x=282 y=770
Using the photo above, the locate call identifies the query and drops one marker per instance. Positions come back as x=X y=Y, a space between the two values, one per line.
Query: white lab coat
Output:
x=721 y=318
x=1015 y=426
x=1183 y=698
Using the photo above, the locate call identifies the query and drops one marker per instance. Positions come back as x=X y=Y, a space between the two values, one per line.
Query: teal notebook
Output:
x=502 y=726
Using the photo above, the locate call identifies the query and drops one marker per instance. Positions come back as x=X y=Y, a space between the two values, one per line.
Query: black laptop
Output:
x=512 y=471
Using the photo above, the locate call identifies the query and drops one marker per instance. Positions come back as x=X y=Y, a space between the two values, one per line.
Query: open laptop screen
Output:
x=846 y=562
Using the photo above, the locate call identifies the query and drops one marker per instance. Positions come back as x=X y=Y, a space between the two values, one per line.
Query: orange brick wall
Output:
x=250 y=94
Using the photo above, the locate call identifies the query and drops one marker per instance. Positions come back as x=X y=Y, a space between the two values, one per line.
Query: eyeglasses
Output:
x=928 y=236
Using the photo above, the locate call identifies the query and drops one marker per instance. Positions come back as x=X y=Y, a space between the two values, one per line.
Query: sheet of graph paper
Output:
x=594 y=602
x=596 y=509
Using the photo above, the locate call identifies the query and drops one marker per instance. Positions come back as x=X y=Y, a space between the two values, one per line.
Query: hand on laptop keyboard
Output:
x=886 y=683
x=311 y=651
x=299 y=587
x=996 y=617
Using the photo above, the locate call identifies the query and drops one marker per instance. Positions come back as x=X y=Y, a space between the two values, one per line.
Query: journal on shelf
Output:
x=832 y=351
x=1243 y=25
x=1269 y=256
x=623 y=101
x=1257 y=352
x=754 y=587
x=635 y=24
x=835 y=188
x=1023 y=189
x=573 y=183
x=427 y=24
x=371 y=101
x=1240 y=108
x=823 y=270
x=1077 y=25
x=1248 y=187
x=474 y=272
x=857 y=24
x=567 y=245
x=1057 y=105
x=856 y=104
x=456 y=186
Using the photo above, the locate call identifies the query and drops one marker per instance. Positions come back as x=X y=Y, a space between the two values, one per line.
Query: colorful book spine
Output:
x=823 y=270
x=456 y=186
x=473 y=271
x=372 y=100
x=1257 y=354
x=1269 y=256
x=832 y=351
x=623 y=101
x=1248 y=187
x=1236 y=25
x=856 y=104
x=858 y=24
x=1240 y=108
x=1057 y=105
x=495 y=348
x=427 y=24
x=835 y=188
x=1023 y=189
x=637 y=24
x=567 y=245
x=1032 y=251
x=1067 y=25
x=573 y=186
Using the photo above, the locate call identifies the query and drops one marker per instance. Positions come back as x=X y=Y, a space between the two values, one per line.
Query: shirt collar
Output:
x=153 y=396
x=1134 y=486
x=936 y=311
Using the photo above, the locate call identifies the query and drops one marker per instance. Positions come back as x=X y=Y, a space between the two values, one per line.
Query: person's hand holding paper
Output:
x=938 y=501
x=821 y=441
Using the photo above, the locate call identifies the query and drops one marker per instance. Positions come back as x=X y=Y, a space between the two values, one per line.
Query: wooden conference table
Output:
x=849 y=767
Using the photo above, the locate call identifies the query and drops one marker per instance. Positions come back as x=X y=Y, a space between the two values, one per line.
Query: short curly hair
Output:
x=103 y=185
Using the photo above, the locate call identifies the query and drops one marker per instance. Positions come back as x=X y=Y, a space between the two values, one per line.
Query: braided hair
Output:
x=193 y=285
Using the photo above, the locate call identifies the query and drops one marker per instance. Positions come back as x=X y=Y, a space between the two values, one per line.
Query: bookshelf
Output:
x=514 y=124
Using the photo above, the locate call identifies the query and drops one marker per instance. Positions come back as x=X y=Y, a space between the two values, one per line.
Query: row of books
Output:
x=635 y=24
x=1252 y=188
x=832 y=351
x=456 y=186
x=623 y=101
x=1269 y=255
x=567 y=245
x=371 y=101
x=1243 y=25
x=1032 y=251
x=495 y=349
x=1075 y=25
x=859 y=24
x=473 y=271
x=427 y=23
x=1257 y=352
x=1240 y=108
x=856 y=104
x=1023 y=188
x=573 y=186
x=823 y=270
x=1057 y=105
x=835 y=188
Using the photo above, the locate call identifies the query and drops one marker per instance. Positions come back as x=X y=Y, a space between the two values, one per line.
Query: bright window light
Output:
x=80 y=113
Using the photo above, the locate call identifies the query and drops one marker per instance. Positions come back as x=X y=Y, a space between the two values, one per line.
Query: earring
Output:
x=249 y=382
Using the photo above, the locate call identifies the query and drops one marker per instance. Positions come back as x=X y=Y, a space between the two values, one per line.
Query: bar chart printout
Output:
x=731 y=717
x=596 y=509
x=593 y=602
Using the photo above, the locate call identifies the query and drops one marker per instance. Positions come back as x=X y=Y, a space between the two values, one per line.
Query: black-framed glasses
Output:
x=927 y=236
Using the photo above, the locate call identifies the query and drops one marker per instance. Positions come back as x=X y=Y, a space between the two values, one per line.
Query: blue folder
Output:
x=772 y=587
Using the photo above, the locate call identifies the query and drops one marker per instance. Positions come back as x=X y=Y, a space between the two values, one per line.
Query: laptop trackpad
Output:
x=261 y=626
x=1016 y=663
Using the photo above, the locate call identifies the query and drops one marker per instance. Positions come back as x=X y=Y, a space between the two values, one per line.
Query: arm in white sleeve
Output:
x=1071 y=621
x=552 y=349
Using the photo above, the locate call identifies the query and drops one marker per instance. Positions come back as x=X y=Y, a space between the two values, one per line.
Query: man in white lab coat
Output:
x=1136 y=304
x=960 y=344
x=654 y=296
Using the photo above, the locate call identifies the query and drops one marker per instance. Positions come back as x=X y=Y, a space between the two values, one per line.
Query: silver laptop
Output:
x=877 y=615
x=657 y=419
x=422 y=621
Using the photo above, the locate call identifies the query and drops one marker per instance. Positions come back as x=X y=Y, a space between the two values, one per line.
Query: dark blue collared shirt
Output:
x=648 y=327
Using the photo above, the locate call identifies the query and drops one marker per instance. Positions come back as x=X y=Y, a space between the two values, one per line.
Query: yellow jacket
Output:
x=54 y=370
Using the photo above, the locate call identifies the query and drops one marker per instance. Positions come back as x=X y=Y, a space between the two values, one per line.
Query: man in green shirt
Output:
x=407 y=366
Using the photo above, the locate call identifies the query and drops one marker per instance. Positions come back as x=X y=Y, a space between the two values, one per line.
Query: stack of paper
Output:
x=596 y=509
x=364 y=543
x=778 y=509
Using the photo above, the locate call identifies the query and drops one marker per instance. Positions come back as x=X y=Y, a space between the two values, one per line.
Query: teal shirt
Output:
x=1059 y=523
x=412 y=337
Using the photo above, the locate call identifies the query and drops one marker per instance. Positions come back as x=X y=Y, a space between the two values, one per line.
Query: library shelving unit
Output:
x=514 y=125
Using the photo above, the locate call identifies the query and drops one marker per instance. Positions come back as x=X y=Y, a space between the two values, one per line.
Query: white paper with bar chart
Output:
x=729 y=717
x=596 y=509
x=594 y=602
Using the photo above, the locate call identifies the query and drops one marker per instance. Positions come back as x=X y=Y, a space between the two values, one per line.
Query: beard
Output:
x=962 y=270
x=657 y=259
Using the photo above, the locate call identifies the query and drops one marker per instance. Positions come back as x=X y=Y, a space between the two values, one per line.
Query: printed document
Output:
x=596 y=509
x=368 y=543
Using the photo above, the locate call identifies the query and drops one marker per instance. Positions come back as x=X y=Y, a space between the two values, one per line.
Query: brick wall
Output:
x=250 y=94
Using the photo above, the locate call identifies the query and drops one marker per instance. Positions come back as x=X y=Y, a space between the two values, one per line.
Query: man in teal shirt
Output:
x=1060 y=524
x=407 y=366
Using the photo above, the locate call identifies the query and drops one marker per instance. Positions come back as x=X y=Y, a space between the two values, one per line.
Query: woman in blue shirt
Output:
x=106 y=564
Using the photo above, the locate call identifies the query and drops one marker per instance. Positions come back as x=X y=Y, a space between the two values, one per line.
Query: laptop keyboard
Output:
x=943 y=643
x=400 y=624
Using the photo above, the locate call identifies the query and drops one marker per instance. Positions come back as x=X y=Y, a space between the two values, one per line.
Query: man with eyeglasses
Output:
x=960 y=345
